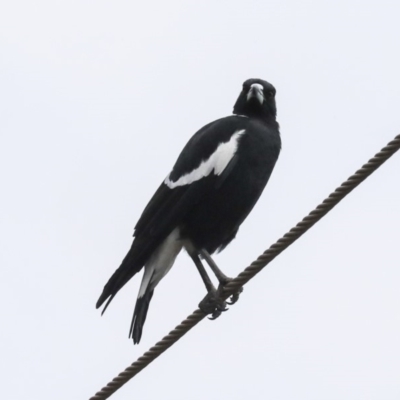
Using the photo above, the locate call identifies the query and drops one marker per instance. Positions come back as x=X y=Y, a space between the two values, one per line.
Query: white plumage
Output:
x=161 y=261
x=217 y=162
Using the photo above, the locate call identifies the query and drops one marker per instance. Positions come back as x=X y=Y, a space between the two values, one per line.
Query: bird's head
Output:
x=257 y=99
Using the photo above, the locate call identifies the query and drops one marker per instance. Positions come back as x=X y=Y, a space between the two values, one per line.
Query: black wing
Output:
x=168 y=206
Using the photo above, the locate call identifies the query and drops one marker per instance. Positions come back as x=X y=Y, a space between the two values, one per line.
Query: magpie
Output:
x=214 y=184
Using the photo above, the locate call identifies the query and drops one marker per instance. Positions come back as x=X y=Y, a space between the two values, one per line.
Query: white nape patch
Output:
x=161 y=261
x=240 y=115
x=217 y=162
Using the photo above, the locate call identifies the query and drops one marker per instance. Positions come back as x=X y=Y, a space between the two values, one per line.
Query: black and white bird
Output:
x=201 y=204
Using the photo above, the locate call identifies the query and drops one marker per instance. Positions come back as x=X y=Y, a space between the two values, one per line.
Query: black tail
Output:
x=129 y=267
x=139 y=316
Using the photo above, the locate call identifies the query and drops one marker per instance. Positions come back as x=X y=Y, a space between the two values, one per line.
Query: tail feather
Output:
x=139 y=316
x=158 y=254
x=128 y=268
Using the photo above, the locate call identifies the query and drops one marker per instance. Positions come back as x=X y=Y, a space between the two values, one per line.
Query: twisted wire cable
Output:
x=255 y=267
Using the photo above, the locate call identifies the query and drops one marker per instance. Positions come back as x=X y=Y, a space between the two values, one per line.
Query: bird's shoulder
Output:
x=205 y=142
x=262 y=133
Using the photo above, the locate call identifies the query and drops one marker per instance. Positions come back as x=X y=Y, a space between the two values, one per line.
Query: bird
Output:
x=199 y=207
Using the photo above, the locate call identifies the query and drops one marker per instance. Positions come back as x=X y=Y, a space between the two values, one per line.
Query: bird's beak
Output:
x=256 y=90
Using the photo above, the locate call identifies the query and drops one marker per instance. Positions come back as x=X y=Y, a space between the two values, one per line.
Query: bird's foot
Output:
x=213 y=304
x=235 y=296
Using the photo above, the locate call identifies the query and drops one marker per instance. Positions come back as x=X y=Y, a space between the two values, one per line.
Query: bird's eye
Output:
x=271 y=94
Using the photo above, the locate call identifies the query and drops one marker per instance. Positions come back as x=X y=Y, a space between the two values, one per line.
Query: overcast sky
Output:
x=97 y=100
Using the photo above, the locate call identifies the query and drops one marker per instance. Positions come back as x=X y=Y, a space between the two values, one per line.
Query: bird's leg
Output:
x=212 y=303
x=222 y=278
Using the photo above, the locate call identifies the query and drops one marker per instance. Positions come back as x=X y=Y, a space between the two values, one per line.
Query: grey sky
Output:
x=99 y=97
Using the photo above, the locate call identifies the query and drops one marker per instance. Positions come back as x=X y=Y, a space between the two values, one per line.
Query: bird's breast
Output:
x=258 y=150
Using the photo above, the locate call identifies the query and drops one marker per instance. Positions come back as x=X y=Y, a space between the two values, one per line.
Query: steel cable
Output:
x=256 y=266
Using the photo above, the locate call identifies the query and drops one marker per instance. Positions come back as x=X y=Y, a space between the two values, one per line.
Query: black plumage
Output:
x=215 y=183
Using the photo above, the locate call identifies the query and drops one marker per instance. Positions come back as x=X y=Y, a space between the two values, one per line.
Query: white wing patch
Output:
x=217 y=162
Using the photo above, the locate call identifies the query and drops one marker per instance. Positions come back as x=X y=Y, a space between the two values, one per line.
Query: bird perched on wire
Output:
x=201 y=204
